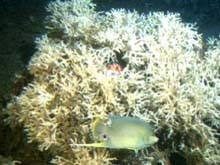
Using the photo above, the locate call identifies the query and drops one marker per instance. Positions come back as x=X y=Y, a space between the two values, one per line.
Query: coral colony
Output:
x=165 y=75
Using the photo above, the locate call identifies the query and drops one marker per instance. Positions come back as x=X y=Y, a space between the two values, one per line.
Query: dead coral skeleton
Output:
x=165 y=80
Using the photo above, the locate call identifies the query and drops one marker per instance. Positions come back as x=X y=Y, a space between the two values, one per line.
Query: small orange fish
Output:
x=115 y=67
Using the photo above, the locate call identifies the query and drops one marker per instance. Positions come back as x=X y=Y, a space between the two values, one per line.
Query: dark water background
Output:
x=21 y=21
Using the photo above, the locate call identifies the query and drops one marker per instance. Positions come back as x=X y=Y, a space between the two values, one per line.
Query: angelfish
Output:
x=121 y=132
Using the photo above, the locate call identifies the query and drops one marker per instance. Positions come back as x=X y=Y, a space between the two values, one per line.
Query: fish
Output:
x=121 y=132
x=115 y=67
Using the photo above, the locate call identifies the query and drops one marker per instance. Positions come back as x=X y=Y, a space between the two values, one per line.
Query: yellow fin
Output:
x=99 y=118
x=91 y=145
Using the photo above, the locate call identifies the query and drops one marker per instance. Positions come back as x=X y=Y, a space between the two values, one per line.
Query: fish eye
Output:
x=104 y=136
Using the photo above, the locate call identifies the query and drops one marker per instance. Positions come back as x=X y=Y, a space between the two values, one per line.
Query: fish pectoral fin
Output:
x=90 y=145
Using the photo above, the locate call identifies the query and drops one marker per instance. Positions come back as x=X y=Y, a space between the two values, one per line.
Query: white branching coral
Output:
x=168 y=79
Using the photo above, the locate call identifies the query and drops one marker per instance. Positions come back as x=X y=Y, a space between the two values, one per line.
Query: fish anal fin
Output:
x=98 y=145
